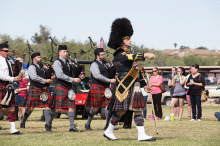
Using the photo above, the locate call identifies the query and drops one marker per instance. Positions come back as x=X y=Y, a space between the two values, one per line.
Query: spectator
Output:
x=176 y=106
x=84 y=84
x=145 y=94
x=22 y=92
x=155 y=81
x=179 y=93
x=196 y=83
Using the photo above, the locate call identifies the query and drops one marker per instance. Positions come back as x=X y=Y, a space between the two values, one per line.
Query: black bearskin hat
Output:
x=121 y=29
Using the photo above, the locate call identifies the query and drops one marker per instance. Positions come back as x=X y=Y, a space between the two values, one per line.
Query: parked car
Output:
x=210 y=80
x=214 y=92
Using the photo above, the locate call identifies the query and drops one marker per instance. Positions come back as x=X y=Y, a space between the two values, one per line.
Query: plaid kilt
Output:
x=96 y=97
x=2 y=94
x=61 y=99
x=129 y=104
x=116 y=105
x=33 y=98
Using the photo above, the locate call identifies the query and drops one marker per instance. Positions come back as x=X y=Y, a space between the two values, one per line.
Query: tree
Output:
x=4 y=38
x=43 y=36
x=202 y=48
x=203 y=61
x=183 y=47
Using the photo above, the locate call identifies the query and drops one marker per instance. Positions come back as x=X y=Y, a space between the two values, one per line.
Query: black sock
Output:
x=90 y=117
x=27 y=113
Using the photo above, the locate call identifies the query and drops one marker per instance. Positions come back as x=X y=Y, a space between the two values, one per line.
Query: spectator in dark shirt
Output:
x=196 y=83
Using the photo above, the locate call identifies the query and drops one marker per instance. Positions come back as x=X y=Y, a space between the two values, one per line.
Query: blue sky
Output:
x=157 y=24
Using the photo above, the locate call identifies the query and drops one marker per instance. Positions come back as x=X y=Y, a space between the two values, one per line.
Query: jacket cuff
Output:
x=139 y=57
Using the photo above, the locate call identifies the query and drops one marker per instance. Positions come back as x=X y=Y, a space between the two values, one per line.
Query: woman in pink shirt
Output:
x=155 y=81
x=22 y=92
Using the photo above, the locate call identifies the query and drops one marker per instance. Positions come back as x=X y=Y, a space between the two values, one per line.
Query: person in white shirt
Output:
x=6 y=78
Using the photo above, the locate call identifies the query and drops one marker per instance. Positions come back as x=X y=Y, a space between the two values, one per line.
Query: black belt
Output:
x=4 y=82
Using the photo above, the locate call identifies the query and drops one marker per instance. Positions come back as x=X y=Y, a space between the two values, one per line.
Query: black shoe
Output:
x=109 y=138
x=42 y=119
x=48 y=128
x=87 y=127
x=22 y=125
x=16 y=133
x=127 y=127
x=151 y=139
x=1 y=128
x=74 y=130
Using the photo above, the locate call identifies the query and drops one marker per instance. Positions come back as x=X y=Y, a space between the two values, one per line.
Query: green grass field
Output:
x=206 y=132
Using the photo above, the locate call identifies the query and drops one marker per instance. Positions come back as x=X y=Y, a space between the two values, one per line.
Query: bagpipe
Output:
x=111 y=68
x=17 y=64
x=75 y=67
x=46 y=66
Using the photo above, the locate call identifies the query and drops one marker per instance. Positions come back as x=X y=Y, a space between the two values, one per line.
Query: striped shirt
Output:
x=179 y=89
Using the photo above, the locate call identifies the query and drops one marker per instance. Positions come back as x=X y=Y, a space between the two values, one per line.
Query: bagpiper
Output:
x=38 y=94
x=7 y=96
x=64 y=95
x=100 y=83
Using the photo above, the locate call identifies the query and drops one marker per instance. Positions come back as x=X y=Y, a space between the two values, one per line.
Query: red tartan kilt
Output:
x=96 y=97
x=2 y=94
x=33 y=98
x=61 y=97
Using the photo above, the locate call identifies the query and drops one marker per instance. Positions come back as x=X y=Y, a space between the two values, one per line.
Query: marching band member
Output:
x=100 y=81
x=63 y=92
x=38 y=94
x=128 y=94
x=7 y=97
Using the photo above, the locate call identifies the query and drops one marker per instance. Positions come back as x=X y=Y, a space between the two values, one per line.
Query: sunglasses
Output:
x=5 y=51
x=154 y=71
